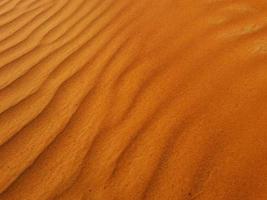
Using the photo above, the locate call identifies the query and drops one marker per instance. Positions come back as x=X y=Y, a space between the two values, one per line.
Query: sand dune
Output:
x=133 y=99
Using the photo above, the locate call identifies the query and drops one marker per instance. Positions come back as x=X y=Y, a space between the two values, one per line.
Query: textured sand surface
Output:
x=133 y=99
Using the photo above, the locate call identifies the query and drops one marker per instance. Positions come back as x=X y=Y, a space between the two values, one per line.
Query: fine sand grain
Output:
x=133 y=99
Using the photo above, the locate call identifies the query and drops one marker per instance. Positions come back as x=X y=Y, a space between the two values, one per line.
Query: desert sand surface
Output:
x=133 y=100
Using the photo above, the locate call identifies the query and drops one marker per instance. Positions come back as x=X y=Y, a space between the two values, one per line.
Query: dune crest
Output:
x=131 y=100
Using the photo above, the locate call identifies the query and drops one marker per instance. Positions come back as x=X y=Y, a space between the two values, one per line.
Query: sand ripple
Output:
x=130 y=100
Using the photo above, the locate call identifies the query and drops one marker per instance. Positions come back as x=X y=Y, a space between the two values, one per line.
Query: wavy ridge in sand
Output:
x=125 y=99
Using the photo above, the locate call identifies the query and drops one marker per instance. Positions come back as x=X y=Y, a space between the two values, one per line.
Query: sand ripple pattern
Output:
x=133 y=99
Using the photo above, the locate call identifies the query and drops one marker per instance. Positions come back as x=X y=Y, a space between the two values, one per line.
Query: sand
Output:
x=133 y=99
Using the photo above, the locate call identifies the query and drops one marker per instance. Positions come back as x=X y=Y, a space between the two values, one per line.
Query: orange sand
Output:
x=133 y=99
